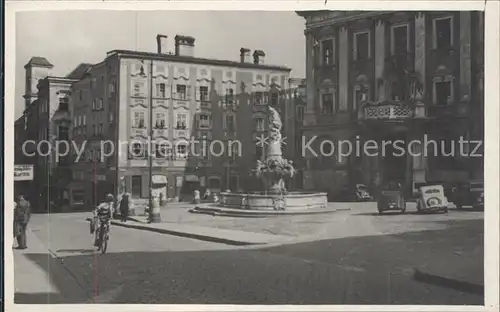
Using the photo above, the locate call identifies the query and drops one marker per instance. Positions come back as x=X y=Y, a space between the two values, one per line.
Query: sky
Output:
x=68 y=38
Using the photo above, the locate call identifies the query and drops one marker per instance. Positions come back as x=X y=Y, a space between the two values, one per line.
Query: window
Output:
x=328 y=103
x=229 y=123
x=100 y=104
x=327 y=52
x=181 y=121
x=78 y=196
x=443 y=33
x=139 y=120
x=258 y=98
x=274 y=99
x=229 y=96
x=137 y=186
x=204 y=94
x=443 y=92
x=80 y=95
x=138 y=150
x=362 y=46
x=94 y=130
x=204 y=121
x=259 y=124
x=300 y=113
x=181 y=151
x=110 y=117
x=160 y=121
x=94 y=104
x=100 y=128
x=160 y=90
x=138 y=88
x=181 y=92
x=400 y=40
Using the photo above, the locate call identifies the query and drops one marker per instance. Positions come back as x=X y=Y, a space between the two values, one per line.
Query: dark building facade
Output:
x=393 y=76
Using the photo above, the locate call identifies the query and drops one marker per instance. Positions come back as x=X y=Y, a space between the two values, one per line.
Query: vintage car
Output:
x=431 y=198
x=391 y=198
x=362 y=193
x=469 y=194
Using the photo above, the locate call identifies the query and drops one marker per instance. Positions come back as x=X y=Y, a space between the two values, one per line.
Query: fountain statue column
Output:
x=274 y=159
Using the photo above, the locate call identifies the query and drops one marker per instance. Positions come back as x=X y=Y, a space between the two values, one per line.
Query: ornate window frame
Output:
x=398 y=25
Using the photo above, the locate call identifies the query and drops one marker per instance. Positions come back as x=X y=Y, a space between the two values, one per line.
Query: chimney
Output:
x=184 y=46
x=161 y=43
x=258 y=57
x=245 y=55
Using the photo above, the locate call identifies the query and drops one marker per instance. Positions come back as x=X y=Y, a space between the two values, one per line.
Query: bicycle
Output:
x=102 y=237
x=102 y=234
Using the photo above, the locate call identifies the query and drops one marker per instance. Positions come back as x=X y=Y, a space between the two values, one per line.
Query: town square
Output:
x=337 y=160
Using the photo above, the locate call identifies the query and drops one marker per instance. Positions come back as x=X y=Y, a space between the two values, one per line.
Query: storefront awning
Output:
x=191 y=178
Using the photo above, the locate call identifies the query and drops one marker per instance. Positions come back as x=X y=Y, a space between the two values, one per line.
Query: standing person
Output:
x=124 y=207
x=196 y=199
x=207 y=194
x=22 y=214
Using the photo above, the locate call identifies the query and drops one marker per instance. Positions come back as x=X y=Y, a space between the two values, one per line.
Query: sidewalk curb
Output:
x=243 y=213
x=201 y=237
x=429 y=278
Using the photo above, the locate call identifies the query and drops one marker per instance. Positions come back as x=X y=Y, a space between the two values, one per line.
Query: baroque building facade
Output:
x=393 y=76
x=104 y=108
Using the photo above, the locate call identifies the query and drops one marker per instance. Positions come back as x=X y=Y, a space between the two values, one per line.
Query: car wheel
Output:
x=459 y=206
x=380 y=212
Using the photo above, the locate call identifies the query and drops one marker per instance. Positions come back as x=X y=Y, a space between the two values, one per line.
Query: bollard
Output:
x=154 y=213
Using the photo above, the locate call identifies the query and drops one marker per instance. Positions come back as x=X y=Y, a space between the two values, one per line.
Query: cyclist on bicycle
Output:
x=103 y=214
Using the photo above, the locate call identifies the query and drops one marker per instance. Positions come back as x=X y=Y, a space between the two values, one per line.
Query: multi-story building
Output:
x=295 y=108
x=191 y=97
x=46 y=121
x=393 y=76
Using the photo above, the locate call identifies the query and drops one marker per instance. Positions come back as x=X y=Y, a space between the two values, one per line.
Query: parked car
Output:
x=469 y=194
x=391 y=198
x=431 y=198
x=362 y=193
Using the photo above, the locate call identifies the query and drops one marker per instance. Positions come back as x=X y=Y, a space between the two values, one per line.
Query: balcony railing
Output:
x=390 y=111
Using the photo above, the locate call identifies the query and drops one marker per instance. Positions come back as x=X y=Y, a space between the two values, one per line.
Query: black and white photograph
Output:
x=294 y=157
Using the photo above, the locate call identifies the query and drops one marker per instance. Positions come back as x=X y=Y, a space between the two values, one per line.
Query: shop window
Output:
x=137 y=186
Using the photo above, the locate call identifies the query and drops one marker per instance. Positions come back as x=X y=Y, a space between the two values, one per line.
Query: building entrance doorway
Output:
x=394 y=156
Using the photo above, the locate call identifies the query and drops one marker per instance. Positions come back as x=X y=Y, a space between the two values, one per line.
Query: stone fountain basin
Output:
x=293 y=201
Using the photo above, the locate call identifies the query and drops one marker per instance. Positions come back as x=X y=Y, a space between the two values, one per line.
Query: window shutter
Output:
x=188 y=92
x=197 y=93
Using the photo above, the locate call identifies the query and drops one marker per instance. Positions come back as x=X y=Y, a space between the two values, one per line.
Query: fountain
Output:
x=272 y=172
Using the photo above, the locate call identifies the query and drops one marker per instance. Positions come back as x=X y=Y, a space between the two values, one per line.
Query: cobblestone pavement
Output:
x=146 y=267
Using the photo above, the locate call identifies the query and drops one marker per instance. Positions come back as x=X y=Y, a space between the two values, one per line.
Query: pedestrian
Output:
x=207 y=194
x=196 y=200
x=22 y=214
x=124 y=207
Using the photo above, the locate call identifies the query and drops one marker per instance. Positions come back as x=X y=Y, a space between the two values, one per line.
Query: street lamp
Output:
x=154 y=209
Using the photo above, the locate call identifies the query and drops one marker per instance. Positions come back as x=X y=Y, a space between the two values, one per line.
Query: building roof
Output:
x=79 y=71
x=39 y=62
x=194 y=60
